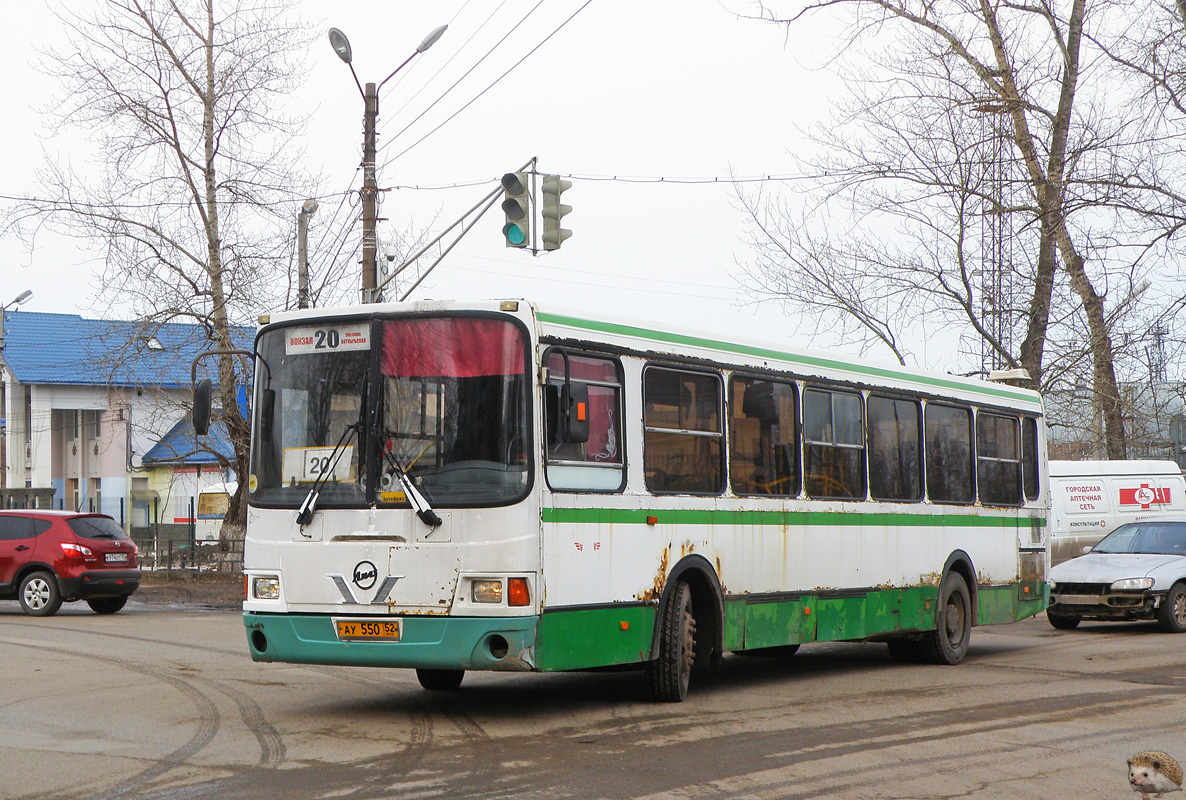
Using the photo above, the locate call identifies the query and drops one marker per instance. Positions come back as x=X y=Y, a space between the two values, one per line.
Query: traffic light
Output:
x=553 y=211
x=517 y=208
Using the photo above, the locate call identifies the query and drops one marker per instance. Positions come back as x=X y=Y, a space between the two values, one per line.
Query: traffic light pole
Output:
x=485 y=204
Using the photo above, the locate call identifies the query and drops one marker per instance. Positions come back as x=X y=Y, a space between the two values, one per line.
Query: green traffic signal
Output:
x=517 y=208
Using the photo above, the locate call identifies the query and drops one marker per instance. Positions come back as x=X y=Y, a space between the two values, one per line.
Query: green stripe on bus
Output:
x=679 y=516
x=594 y=637
x=576 y=638
x=794 y=358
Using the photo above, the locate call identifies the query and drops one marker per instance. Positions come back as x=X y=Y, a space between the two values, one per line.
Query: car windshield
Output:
x=1163 y=538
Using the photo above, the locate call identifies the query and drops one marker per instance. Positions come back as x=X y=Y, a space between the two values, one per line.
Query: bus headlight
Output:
x=486 y=591
x=265 y=587
x=1132 y=584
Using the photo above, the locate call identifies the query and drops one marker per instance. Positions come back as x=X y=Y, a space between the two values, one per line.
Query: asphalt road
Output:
x=161 y=701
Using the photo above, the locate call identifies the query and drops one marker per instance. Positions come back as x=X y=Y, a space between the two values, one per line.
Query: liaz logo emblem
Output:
x=1144 y=496
x=364 y=576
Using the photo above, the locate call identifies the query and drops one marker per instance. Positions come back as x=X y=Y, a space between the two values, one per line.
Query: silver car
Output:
x=1138 y=571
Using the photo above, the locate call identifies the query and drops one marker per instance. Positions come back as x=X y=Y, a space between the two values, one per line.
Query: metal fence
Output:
x=171 y=554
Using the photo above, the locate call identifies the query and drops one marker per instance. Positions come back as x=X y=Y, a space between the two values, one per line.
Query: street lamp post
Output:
x=370 y=183
x=16 y=301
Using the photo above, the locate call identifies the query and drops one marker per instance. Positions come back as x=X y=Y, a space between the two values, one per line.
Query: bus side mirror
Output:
x=567 y=412
x=201 y=415
x=574 y=418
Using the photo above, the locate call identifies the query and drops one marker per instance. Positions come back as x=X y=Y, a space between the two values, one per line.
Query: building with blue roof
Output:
x=99 y=411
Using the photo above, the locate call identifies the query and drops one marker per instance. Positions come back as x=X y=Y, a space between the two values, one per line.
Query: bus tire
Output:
x=948 y=643
x=440 y=680
x=671 y=671
x=905 y=651
x=778 y=651
x=107 y=605
x=1171 y=614
x=1064 y=622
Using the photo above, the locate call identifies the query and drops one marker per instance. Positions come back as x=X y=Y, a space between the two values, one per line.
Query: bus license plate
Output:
x=357 y=630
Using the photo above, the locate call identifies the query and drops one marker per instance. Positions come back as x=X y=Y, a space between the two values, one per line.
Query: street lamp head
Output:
x=309 y=207
x=431 y=38
x=340 y=44
x=19 y=299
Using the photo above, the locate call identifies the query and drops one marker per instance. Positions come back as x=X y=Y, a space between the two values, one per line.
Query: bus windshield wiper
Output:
x=305 y=512
x=420 y=505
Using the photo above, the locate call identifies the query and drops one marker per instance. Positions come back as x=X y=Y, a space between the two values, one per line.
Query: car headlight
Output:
x=1132 y=584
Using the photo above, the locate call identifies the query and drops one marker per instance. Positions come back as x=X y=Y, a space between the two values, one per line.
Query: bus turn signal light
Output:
x=517 y=592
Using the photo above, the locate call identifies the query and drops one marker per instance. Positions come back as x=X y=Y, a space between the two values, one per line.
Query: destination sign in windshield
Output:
x=328 y=338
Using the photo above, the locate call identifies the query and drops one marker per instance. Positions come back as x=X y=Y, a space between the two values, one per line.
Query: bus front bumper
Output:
x=429 y=642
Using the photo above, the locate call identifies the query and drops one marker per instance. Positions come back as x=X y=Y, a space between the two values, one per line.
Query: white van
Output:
x=212 y=505
x=1091 y=498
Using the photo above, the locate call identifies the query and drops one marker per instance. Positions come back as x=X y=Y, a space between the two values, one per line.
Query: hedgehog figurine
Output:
x=1154 y=772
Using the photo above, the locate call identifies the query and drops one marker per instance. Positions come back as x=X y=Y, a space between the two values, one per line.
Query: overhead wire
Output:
x=468 y=72
x=488 y=88
x=448 y=61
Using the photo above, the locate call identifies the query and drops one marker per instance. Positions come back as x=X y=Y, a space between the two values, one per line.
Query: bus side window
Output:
x=949 y=453
x=584 y=450
x=683 y=449
x=1029 y=458
x=833 y=444
x=895 y=434
x=763 y=451
x=998 y=461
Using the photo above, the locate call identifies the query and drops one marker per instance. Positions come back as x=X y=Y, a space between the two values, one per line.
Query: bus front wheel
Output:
x=671 y=672
x=948 y=643
x=440 y=680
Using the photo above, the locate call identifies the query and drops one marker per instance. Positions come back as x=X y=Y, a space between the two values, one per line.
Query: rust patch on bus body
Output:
x=656 y=591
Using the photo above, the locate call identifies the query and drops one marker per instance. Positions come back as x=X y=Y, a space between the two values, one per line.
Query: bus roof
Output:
x=647 y=337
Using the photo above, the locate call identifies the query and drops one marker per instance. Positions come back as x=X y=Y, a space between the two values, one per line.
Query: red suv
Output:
x=51 y=557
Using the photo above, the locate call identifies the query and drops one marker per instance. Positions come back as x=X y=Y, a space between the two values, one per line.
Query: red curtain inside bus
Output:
x=451 y=348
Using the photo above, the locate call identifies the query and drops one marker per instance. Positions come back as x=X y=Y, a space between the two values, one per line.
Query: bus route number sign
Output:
x=367 y=630
x=307 y=464
x=310 y=339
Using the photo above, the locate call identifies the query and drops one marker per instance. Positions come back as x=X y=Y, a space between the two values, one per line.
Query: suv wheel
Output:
x=39 y=594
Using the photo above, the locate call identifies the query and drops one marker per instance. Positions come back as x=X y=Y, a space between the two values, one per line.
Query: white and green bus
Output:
x=452 y=486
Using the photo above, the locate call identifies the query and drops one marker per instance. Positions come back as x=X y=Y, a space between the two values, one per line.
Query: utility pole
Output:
x=370 y=183
x=370 y=192
x=308 y=209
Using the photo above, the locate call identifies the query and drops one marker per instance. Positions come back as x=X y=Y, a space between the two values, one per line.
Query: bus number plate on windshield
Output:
x=365 y=630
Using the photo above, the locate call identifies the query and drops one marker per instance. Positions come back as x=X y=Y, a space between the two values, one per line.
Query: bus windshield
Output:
x=444 y=401
x=454 y=410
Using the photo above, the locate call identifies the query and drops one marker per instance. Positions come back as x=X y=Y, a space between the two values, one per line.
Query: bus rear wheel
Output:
x=948 y=643
x=671 y=672
x=440 y=680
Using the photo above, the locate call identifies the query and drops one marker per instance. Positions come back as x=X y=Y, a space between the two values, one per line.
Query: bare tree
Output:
x=983 y=139
x=194 y=187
